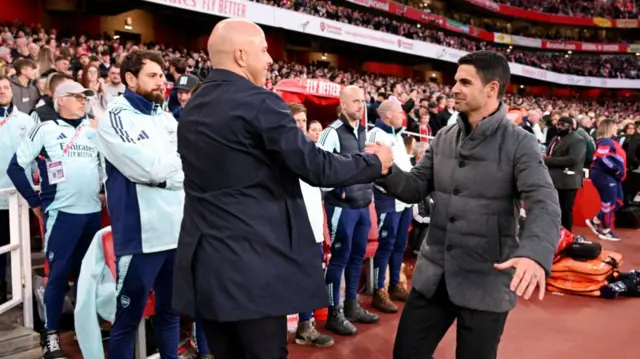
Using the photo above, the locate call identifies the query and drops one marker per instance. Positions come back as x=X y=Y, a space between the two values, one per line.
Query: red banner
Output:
x=314 y=87
x=454 y=26
x=554 y=18
x=583 y=46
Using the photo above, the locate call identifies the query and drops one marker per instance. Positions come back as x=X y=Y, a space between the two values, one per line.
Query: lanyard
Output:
x=553 y=145
x=4 y=120
x=73 y=140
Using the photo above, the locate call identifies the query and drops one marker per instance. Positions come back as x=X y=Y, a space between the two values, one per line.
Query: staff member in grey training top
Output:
x=472 y=267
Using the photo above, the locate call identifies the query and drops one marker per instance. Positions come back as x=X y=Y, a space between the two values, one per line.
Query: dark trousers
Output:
x=248 y=339
x=393 y=229
x=349 y=230
x=201 y=340
x=308 y=315
x=67 y=238
x=567 y=197
x=611 y=196
x=425 y=321
x=137 y=275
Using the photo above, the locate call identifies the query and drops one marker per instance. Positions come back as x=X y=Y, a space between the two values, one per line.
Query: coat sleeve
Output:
x=20 y=167
x=577 y=151
x=414 y=186
x=541 y=232
x=139 y=164
x=95 y=286
x=288 y=145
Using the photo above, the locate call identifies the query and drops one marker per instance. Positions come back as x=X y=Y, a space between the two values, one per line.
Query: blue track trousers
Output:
x=67 y=237
x=138 y=274
x=349 y=230
x=393 y=231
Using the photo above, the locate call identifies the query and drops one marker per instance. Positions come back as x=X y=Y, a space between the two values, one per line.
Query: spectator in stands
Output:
x=633 y=149
x=45 y=110
x=551 y=133
x=114 y=85
x=145 y=200
x=588 y=140
x=587 y=123
x=61 y=65
x=177 y=68
x=26 y=94
x=69 y=200
x=183 y=87
x=394 y=216
x=531 y=124
x=46 y=61
x=442 y=119
x=565 y=158
x=22 y=49
x=105 y=64
x=424 y=126
x=432 y=111
x=456 y=276
x=5 y=56
x=306 y=333
x=608 y=170
x=315 y=128
x=408 y=102
x=98 y=103
x=272 y=255
x=14 y=127
x=628 y=130
x=349 y=209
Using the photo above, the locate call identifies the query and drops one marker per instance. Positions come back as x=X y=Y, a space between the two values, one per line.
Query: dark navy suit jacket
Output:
x=246 y=248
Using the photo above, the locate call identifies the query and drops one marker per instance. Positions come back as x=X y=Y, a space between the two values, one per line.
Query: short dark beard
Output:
x=151 y=97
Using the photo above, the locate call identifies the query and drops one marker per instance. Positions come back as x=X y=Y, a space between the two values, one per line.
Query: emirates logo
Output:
x=322 y=26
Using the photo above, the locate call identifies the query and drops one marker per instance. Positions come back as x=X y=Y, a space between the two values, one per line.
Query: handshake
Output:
x=383 y=152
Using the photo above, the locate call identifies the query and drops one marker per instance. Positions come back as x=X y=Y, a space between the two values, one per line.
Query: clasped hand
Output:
x=383 y=152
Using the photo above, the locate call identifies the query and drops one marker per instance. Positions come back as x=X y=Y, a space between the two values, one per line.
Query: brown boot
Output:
x=382 y=302
x=398 y=293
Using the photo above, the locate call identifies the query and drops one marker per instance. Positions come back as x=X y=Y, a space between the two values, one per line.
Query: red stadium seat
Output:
x=110 y=260
x=372 y=247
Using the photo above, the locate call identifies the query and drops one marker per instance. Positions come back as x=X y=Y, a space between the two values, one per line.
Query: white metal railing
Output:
x=19 y=248
x=406 y=132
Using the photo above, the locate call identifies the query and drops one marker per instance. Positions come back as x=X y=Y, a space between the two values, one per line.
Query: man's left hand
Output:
x=529 y=275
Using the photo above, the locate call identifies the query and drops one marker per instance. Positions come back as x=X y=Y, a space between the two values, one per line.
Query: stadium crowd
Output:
x=617 y=66
x=619 y=9
x=48 y=53
x=614 y=66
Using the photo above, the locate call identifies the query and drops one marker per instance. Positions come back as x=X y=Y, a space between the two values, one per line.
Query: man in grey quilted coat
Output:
x=473 y=266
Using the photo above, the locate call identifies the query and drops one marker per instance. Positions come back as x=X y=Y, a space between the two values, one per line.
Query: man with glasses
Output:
x=14 y=126
x=69 y=199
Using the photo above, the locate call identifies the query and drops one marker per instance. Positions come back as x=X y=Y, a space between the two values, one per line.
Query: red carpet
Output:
x=560 y=327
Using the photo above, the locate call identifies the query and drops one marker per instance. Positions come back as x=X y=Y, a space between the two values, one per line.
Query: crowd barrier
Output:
x=19 y=249
x=414 y=134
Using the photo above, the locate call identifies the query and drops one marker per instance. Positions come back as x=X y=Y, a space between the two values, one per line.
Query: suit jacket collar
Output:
x=222 y=75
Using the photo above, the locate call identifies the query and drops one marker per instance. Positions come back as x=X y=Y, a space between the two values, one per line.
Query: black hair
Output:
x=179 y=64
x=491 y=66
x=134 y=61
